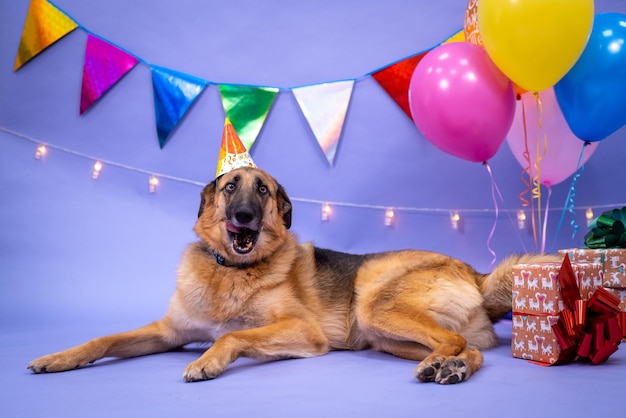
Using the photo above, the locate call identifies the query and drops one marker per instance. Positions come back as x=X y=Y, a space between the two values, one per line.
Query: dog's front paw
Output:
x=202 y=369
x=453 y=370
x=57 y=362
x=427 y=370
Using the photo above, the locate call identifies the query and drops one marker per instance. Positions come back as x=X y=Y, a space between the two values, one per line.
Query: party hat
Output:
x=233 y=154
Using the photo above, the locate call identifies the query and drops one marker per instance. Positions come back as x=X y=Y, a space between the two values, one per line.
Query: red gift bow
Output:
x=587 y=329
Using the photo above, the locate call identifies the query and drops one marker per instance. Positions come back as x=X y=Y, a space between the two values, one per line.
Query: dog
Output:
x=251 y=289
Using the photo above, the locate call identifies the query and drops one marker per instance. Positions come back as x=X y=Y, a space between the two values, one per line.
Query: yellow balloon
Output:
x=535 y=42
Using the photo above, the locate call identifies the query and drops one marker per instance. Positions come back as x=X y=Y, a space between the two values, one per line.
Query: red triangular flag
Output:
x=396 y=78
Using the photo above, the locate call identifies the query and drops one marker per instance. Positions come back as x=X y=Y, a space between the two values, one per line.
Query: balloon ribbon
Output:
x=494 y=190
x=569 y=200
x=536 y=180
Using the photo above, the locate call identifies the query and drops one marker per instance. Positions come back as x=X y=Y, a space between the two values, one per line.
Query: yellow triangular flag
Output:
x=44 y=25
x=457 y=37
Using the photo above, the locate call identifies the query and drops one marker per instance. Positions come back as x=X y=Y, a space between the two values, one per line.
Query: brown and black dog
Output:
x=252 y=290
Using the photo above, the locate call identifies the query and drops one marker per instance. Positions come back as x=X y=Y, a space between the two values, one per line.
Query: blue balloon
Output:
x=592 y=95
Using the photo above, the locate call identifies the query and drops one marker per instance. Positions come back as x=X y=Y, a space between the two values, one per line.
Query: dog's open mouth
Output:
x=243 y=239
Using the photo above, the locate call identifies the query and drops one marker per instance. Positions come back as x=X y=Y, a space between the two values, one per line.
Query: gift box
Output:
x=612 y=259
x=536 y=289
x=561 y=312
x=533 y=338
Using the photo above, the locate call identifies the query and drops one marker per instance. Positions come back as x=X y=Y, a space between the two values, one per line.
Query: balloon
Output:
x=592 y=95
x=563 y=147
x=472 y=33
x=461 y=102
x=535 y=42
x=470 y=23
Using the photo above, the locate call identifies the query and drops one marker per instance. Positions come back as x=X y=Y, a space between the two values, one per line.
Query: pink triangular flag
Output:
x=325 y=106
x=104 y=65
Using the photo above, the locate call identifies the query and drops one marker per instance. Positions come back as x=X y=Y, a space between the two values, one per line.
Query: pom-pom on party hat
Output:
x=233 y=154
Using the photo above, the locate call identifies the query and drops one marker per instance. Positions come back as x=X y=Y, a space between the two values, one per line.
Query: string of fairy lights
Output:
x=326 y=207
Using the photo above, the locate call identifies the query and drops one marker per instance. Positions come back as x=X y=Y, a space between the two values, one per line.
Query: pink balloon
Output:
x=461 y=102
x=563 y=148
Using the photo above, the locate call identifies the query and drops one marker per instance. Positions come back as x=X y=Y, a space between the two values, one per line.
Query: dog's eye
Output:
x=230 y=187
x=262 y=189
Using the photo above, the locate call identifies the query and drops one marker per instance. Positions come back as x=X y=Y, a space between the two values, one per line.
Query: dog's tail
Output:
x=496 y=287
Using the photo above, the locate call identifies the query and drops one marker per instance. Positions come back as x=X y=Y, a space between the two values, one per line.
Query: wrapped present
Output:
x=562 y=313
x=533 y=338
x=536 y=289
x=612 y=259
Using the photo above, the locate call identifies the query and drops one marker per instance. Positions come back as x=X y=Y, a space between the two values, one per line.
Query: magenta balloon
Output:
x=461 y=102
x=563 y=148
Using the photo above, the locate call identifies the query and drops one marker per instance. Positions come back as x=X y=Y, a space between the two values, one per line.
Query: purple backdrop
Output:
x=69 y=243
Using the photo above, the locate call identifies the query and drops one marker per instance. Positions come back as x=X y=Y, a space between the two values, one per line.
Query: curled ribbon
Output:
x=608 y=230
x=590 y=330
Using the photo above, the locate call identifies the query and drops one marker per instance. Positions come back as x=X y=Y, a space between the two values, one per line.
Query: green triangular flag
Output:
x=247 y=108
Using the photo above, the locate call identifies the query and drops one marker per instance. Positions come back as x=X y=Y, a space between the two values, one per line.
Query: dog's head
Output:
x=244 y=215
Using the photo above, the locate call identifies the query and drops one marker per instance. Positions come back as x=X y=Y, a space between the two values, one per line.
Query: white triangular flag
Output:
x=325 y=106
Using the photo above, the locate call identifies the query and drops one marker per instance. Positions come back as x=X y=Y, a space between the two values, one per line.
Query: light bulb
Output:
x=326 y=211
x=41 y=151
x=97 y=168
x=153 y=182
x=589 y=215
x=390 y=217
x=455 y=218
x=521 y=219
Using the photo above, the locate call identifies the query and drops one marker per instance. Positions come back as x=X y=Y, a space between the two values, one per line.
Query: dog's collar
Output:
x=219 y=259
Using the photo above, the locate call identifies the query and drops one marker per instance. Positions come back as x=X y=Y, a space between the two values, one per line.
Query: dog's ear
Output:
x=207 y=195
x=284 y=205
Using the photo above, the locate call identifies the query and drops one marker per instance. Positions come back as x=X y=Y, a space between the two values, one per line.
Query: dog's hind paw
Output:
x=442 y=370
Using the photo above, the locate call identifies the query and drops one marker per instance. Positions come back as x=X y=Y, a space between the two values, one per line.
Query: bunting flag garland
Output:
x=459 y=36
x=247 y=108
x=174 y=93
x=396 y=78
x=104 y=65
x=325 y=106
x=45 y=24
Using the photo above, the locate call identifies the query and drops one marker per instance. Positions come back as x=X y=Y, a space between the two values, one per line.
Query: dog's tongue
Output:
x=232 y=228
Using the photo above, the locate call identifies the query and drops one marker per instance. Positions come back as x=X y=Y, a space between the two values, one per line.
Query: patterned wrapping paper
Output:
x=613 y=260
x=533 y=338
x=537 y=302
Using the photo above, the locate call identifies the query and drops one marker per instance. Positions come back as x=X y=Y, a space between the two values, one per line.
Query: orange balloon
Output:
x=470 y=23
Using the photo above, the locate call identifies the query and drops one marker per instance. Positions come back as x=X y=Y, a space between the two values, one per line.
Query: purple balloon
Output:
x=461 y=102
x=562 y=147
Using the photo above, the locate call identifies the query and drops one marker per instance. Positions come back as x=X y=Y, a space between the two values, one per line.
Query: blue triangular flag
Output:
x=174 y=93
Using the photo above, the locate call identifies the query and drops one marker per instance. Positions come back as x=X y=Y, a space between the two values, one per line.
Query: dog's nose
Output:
x=244 y=217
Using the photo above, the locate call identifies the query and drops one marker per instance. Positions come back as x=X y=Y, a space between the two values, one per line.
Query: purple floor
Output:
x=360 y=384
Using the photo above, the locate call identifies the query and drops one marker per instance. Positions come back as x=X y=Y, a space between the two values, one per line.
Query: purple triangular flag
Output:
x=105 y=64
